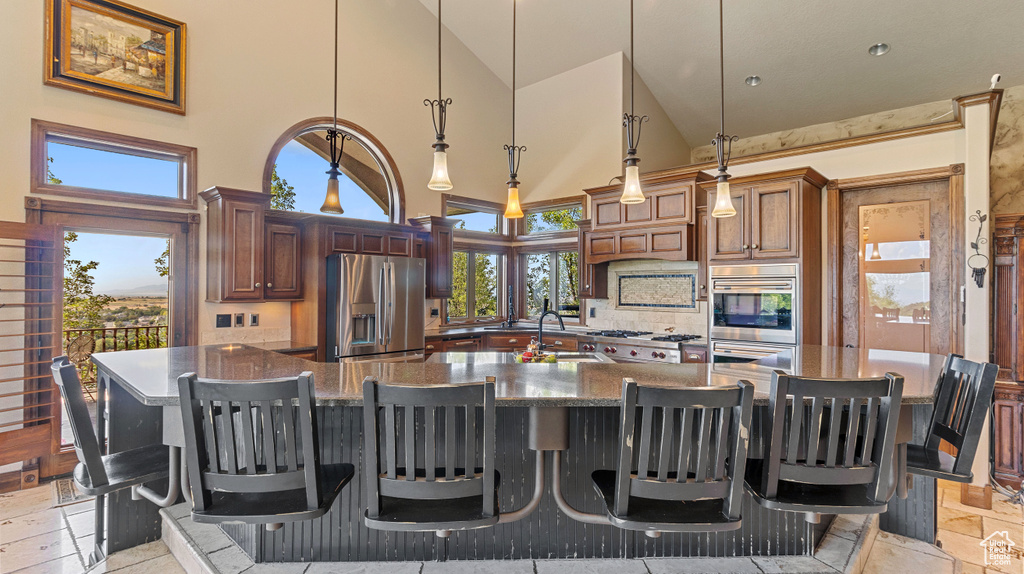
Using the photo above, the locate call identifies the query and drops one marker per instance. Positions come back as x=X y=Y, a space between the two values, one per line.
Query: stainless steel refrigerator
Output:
x=375 y=307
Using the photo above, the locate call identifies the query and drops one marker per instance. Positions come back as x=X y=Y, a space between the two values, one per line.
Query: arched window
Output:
x=370 y=186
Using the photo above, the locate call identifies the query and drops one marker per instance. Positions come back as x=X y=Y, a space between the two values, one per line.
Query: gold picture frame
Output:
x=114 y=50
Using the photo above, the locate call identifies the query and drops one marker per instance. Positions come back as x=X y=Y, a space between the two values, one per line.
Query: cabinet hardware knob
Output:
x=513 y=341
x=559 y=344
x=270 y=285
x=703 y=287
x=754 y=246
x=745 y=246
x=430 y=346
x=257 y=285
x=465 y=343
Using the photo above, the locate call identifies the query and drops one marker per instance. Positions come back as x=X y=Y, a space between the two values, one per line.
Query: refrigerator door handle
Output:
x=391 y=300
x=381 y=309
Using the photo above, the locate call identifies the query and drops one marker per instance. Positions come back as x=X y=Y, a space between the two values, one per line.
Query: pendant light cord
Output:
x=335 y=118
x=632 y=68
x=513 y=73
x=721 y=62
x=439 y=50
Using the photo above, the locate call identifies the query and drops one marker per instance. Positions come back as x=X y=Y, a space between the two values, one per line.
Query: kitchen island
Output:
x=144 y=408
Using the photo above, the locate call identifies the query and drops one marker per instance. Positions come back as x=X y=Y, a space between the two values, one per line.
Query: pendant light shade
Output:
x=723 y=201
x=632 y=192
x=875 y=255
x=332 y=203
x=439 y=179
x=513 y=210
x=722 y=142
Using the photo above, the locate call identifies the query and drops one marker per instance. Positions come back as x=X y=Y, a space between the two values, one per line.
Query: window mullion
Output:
x=470 y=286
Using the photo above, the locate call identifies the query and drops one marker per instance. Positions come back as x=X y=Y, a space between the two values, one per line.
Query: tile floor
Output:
x=39 y=539
x=962 y=528
x=36 y=538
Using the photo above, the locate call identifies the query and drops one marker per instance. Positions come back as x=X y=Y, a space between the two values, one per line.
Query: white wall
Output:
x=661 y=145
x=253 y=71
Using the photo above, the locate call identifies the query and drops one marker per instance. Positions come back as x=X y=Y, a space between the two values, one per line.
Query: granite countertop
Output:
x=283 y=346
x=150 y=375
x=549 y=328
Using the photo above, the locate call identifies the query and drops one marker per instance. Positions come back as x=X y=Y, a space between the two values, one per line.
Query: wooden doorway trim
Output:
x=954 y=175
x=183 y=298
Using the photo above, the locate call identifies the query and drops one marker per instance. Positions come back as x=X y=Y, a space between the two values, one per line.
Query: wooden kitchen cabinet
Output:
x=1008 y=423
x=470 y=345
x=695 y=354
x=501 y=343
x=702 y=253
x=1008 y=296
x=283 y=262
x=778 y=217
x=593 y=278
x=438 y=248
x=250 y=258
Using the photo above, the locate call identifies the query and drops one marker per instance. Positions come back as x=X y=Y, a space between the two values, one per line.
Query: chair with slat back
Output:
x=687 y=474
x=841 y=476
x=429 y=457
x=98 y=474
x=249 y=459
x=963 y=396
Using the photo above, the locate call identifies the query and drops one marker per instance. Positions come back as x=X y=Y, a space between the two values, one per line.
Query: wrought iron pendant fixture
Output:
x=512 y=208
x=631 y=191
x=722 y=142
x=332 y=203
x=439 y=179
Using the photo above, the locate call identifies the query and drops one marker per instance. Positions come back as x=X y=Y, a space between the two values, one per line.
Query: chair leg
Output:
x=273 y=526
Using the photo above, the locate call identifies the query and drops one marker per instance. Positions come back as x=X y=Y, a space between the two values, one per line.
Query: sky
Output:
x=126 y=262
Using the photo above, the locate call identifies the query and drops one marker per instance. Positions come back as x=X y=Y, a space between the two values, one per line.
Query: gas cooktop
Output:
x=636 y=346
x=676 y=338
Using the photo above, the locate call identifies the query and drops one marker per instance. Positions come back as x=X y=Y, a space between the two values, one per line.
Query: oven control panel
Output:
x=626 y=352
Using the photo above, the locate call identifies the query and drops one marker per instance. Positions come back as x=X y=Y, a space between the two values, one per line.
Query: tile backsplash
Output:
x=677 y=313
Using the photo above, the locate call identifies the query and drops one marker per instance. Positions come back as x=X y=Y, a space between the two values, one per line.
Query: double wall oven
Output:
x=754 y=311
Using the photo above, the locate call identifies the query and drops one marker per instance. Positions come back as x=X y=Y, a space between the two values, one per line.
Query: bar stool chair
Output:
x=98 y=474
x=687 y=475
x=962 y=400
x=423 y=489
x=842 y=476
x=249 y=460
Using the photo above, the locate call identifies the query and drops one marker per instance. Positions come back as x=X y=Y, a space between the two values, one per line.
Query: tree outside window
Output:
x=476 y=287
x=552 y=282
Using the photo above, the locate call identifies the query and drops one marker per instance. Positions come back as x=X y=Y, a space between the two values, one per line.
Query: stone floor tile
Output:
x=179 y=511
x=966 y=548
x=609 y=566
x=364 y=568
x=66 y=565
x=1014 y=530
x=968 y=568
x=848 y=526
x=1001 y=508
x=23 y=502
x=165 y=564
x=791 y=564
x=208 y=537
x=481 y=567
x=230 y=560
x=910 y=544
x=82 y=524
x=965 y=523
x=36 y=550
x=835 y=551
x=29 y=525
x=278 y=568
x=79 y=507
x=136 y=555
x=701 y=566
x=886 y=558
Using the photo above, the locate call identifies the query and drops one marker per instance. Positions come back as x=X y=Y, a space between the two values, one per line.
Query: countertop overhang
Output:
x=150 y=375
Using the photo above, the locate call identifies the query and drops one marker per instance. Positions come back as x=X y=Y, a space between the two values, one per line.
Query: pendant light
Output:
x=439 y=180
x=512 y=208
x=332 y=203
x=722 y=142
x=631 y=191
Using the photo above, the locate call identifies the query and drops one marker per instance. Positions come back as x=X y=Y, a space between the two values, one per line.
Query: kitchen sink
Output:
x=572 y=357
x=515 y=328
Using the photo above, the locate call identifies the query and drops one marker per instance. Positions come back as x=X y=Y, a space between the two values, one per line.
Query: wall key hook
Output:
x=978 y=271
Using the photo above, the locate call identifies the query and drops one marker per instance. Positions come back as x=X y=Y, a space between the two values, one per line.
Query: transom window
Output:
x=557 y=218
x=478 y=217
x=68 y=160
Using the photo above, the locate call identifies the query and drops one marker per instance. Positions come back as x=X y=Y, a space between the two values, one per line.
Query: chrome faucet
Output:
x=540 y=327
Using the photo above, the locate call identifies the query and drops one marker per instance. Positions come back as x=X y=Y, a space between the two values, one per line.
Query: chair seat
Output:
x=817 y=498
x=274 y=507
x=126 y=469
x=648 y=514
x=423 y=515
x=933 y=463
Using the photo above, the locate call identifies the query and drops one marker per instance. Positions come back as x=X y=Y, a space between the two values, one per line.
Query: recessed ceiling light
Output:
x=753 y=80
x=879 y=49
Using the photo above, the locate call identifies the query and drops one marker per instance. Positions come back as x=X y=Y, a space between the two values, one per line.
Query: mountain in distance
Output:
x=155 y=290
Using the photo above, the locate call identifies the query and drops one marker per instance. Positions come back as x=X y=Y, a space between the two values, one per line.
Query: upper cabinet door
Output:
x=774 y=220
x=283 y=271
x=729 y=237
x=243 y=251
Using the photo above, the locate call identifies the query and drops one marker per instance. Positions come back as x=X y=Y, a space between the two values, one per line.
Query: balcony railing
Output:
x=109 y=339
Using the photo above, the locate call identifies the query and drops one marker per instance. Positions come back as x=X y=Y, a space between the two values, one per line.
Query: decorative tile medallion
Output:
x=670 y=291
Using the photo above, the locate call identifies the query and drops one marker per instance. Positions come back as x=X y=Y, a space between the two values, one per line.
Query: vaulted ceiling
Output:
x=812 y=55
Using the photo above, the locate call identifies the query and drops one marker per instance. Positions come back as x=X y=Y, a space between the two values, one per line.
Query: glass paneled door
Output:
x=899 y=284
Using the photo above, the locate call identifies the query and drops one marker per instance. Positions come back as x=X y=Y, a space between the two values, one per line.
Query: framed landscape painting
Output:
x=113 y=50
